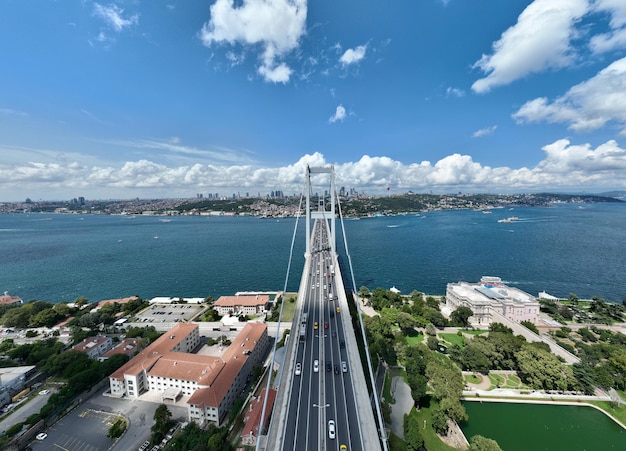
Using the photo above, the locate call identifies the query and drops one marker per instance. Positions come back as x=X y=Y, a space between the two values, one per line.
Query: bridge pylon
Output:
x=320 y=212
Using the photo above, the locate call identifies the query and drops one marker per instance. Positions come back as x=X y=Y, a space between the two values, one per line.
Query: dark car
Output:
x=329 y=367
x=342 y=344
x=336 y=369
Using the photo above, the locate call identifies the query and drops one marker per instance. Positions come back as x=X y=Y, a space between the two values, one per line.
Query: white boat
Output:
x=511 y=219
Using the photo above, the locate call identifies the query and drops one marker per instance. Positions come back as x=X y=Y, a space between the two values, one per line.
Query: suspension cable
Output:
x=280 y=317
x=381 y=425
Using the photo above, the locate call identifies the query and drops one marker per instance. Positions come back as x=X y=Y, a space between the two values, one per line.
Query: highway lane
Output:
x=317 y=397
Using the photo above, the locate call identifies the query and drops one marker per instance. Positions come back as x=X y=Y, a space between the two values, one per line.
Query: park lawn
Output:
x=453 y=339
x=289 y=308
x=396 y=443
x=474 y=332
x=414 y=338
x=472 y=379
x=496 y=380
x=432 y=442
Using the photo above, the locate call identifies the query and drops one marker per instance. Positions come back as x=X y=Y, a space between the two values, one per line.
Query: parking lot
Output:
x=86 y=428
x=167 y=313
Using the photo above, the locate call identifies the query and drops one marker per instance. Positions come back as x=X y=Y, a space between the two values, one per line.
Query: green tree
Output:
x=460 y=316
x=480 y=443
x=162 y=423
x=543 y=370
x=412 y=432
x=530 y=326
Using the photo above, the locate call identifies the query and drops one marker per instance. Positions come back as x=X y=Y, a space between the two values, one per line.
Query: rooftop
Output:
x=249 y=301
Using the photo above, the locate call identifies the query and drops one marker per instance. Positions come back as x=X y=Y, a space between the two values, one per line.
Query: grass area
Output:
x=506 y=381
x=475 y=332
x=432 y=441
x=414 y=337
x=473 y=379
x=497 y=380
x=396 y=443
x=289 y=308
x=453 y=339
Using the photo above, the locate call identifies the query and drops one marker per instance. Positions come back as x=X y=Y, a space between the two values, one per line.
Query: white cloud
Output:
x=340 y=115
x=615 y=38
x=112 y=16
x=484 y=131
x=586 y=106
x=565 y=166
x=275 y=25
x=454 y=92
x=353 y=56
x=539 y=40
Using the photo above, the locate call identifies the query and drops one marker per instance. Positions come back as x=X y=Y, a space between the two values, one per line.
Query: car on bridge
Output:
x=315 y=325
x=298 y=369
x=329 y=367
x=316 y=366
x=331 y=429
x=344 y=366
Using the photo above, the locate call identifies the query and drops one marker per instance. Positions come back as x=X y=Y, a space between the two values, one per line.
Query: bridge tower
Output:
x=320 y=212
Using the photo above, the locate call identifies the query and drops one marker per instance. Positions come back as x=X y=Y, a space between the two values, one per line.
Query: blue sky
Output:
x=169 y=98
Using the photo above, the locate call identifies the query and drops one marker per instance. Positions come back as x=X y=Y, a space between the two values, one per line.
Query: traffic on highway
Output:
x=322 y=413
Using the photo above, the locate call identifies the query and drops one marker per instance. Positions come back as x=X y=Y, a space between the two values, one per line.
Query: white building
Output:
x=212 y=384
x=246 y=304
x=491 y=295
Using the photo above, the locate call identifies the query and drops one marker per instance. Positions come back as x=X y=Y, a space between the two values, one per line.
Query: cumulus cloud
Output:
x=539 y=40
x=274 y=25
x=615 y=38
x=340 y=114
x=564 y=166
x=586 y=106
x=113 y=16
x=484 y=131
x=353 y=56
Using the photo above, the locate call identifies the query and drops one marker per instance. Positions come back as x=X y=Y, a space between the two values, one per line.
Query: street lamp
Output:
x=321 y=407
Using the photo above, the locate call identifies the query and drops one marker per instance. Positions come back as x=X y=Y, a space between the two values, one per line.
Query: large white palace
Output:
x=491 y=295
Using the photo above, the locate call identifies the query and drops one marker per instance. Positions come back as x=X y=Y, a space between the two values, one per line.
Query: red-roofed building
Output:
x=6 y=299
x=168 y=368
x=128 y=346
x=246 y=304
x=94 y=347
x=246 y=352
x=250 y=431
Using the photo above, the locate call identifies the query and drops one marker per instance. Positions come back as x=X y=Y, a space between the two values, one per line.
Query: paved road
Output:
x=315 y=398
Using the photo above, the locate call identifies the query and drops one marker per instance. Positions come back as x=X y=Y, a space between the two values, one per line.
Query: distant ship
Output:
x=511 y=219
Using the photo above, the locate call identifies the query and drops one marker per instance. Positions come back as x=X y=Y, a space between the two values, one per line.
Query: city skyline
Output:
x=129 y=99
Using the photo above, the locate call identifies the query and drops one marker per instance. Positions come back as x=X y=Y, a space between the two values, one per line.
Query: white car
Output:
x=44 y=392
x=316 y=366
x=331 y=429
x=41 y=436
x=344 y=366
x=298 y=369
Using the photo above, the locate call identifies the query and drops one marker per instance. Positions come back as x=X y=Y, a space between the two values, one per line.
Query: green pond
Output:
x=543 y=427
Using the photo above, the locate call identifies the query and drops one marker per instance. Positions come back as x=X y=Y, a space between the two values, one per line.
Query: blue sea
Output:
x=564 y=249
